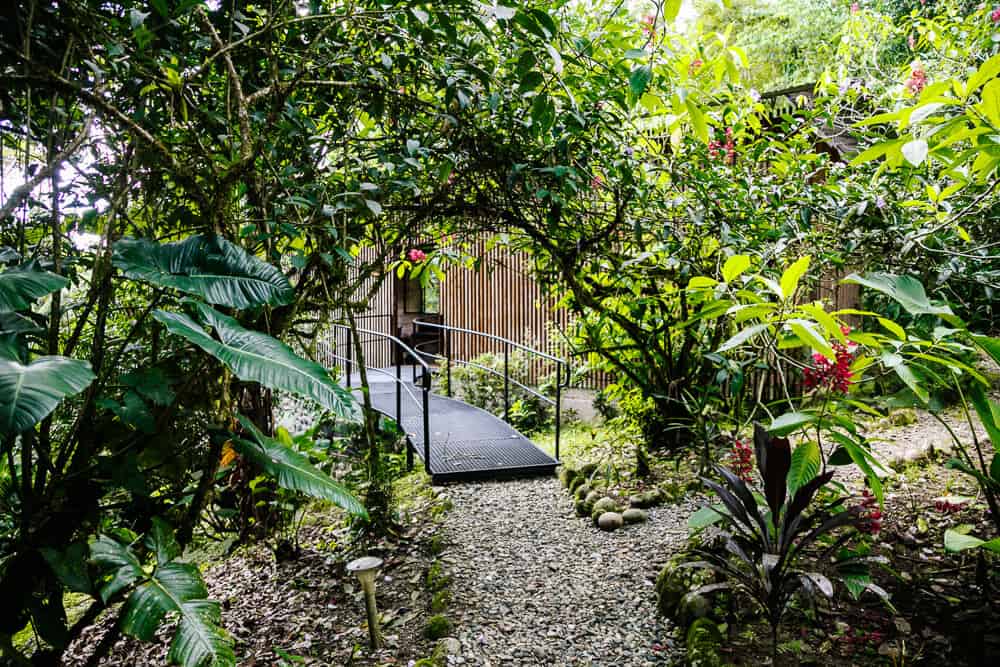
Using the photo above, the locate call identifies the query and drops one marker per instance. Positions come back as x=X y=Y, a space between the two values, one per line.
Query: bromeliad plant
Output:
x=768 y=537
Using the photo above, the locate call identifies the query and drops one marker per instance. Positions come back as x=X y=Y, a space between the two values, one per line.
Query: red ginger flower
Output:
x=416 y=255
x=869 y=515
x=834 y=374
x=741 y=461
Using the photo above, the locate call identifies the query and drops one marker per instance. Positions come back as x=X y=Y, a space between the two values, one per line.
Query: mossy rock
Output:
x=575 y=483
x=588 y=469
x=609 y=521
x=592 y=498
x=674 y=583
x=566 y=475
x=582 y=491
x=703 y=642
x=634 y=515
x=903 y=417
x=647 y=499
x=692 y=607
x=438 y=626
x=581 y=508
x=604 y=504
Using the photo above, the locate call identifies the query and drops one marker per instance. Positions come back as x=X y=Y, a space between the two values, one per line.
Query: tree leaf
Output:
x=207 y=266
x=734 y=267
x=905 y=290
x=293 y=471
x=639 y=79
x=30 y=393
x=19 y=288
x=808 y=334
x=789 y=281
x=257 y=357
x=915 y=152
x=743 y=336
x=790 y=422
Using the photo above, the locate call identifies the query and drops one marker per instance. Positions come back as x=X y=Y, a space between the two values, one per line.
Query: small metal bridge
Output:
x=456 y=441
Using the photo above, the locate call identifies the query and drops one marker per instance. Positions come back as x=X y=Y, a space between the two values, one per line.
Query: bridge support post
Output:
x=427 y=423
x=558 y=405
x=506 y=382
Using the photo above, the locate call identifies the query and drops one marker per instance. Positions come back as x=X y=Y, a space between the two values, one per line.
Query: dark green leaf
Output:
x=29 y=393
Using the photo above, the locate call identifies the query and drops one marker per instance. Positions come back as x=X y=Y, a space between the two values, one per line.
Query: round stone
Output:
x=610 y=521
x=634 y=515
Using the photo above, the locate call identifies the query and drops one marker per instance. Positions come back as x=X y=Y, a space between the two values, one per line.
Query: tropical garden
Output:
x=194 y=192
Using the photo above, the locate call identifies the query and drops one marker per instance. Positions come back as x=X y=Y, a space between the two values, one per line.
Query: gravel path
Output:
x=534 y=584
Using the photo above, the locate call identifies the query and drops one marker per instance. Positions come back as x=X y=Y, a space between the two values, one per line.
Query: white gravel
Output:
x=535 y=584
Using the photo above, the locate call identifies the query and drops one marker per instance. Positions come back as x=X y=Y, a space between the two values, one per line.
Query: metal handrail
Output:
x=507 y=345
x=425 y=384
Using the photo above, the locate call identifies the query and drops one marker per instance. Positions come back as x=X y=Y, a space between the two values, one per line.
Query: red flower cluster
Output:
x=416 y=255
x=741 y=461
x=695 y=66
x=917 y=80
x=596 y=182
x=947 y=507
x=870 y=516
x=715 y=147
x=855 y=8
x=835 y=375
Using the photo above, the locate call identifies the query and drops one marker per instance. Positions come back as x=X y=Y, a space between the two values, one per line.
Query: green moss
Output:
x=903 y=417
x=582 y=491
x=440 y=600
x=437 y=579
x=435 y=544
x=438 y=626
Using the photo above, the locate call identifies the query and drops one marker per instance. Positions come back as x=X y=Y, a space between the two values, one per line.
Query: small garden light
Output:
x=366 y=568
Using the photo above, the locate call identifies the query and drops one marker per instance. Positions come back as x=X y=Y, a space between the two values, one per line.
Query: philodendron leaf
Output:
x=293 y=471
x=791 y=421
x=256 y=357
x=205 y=265
x=958 y=539
x=19 y=288
x=172 y=589
x=29 y=393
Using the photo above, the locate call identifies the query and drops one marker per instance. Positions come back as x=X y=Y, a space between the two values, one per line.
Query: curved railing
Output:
x=416 y=358
x=444 y=354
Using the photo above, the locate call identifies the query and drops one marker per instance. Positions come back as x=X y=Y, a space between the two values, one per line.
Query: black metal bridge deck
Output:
x=466 y=442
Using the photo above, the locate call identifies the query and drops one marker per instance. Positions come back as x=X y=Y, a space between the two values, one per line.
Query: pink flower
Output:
x=416 y=255
x=995 y=15
x=917 y=80
x=596 y=182
x=649 y=25
x=912 y=41
x=855 y=8
x=695 y=66
x=715 y=148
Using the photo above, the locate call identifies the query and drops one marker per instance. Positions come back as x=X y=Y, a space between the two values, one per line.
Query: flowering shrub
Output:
x=416 y=255
x=716 y=147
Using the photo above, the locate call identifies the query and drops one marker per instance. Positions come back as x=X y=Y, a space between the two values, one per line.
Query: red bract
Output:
x=995 y=15
x=869 y=515
x=715 y=147
x=416 y=255
x=834 y=375
x=741 y=460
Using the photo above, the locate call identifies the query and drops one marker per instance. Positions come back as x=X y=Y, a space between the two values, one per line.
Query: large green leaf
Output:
x=958 y=539
x=989 y=414
x=905 y=290
x=174 y=589
x=293 y=471
x=208 y=266
x=19 y=288
x=29 y=393
x=789 y=422
x=805 y=465
x=256 y=357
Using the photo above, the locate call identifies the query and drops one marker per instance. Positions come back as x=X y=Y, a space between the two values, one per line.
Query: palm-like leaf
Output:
x=293 y=471
x=205 y=265
x=19 y=288
x=256 y=357
x=173 y=588
x=29 y=393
